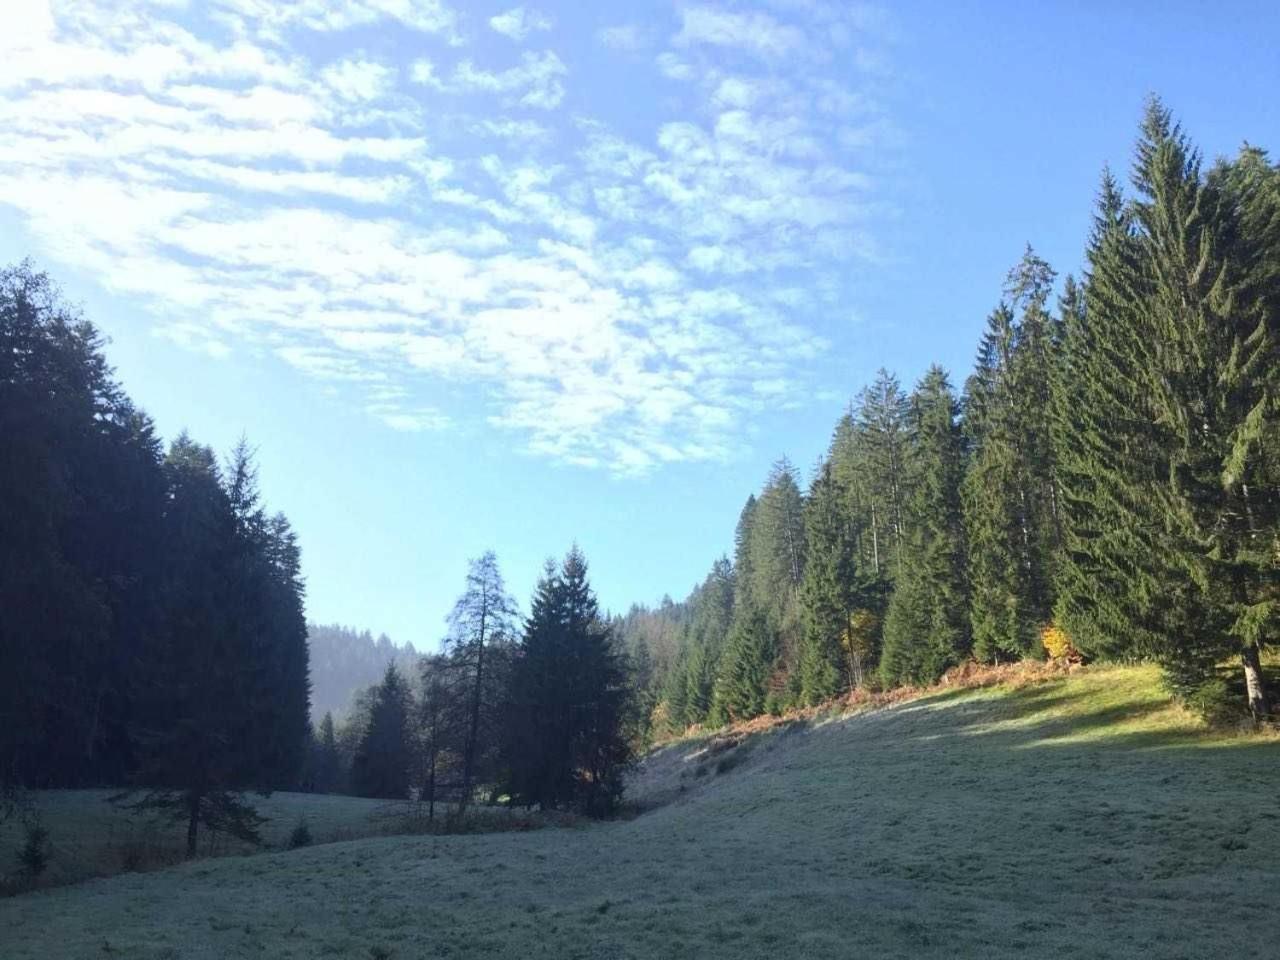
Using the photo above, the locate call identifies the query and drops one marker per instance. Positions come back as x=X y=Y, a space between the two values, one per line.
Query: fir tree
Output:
x=327 y=765
x=566 y=743
x=829 y=593
x=385 y=752
x=925 y=626
x=742 y=689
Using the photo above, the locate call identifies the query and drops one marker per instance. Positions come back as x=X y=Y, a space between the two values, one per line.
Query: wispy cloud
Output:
x=396 y=226
x=518 y=22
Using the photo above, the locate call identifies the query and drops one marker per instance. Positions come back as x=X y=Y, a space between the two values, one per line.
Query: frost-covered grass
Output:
x=1080 y=817
x=90 y=837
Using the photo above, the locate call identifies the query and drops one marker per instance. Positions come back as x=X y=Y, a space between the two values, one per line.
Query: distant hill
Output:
x=345 y=660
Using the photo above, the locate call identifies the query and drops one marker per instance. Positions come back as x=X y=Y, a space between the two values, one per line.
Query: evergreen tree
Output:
x=198 y=694
x=1011 y=490
x=829 y=593
x=743 y=686
x=925 y=627
x=776 y=562
x=385 y=753
x=327 y=765
x=568 y=699
x=1188 y=320
x=882 y=437
x=80 y=543
x=1106 y=453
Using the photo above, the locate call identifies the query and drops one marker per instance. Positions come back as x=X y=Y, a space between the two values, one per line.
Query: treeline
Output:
x=533 y=713
x=152 y=629
x=1106 y=483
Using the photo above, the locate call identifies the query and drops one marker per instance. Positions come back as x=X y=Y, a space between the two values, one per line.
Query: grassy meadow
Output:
x=1082 y=816
x=91 y=837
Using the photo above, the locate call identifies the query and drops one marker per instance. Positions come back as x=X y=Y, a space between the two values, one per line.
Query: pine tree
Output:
x=385 y=752
x=742 y=689
x=882 y=433
x=829 y=592
x=327 y=764
x=925 y=627
x=1204 y=355
x=569 y=699
x=1106 y=455
x=1011 y=492
x=198 y=691
x=776 y=562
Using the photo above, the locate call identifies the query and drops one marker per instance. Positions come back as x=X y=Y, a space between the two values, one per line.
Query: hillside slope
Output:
x=1082 y=817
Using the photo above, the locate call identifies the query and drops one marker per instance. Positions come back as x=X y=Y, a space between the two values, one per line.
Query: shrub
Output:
x=1057 y=643
x=33 y=855
x=301 y=836
x=1216 y=702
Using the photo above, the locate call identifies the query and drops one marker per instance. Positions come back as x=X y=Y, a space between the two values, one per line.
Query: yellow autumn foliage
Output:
x=1057 y=643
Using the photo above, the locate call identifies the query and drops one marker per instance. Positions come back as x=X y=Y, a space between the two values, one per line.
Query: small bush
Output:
x=1216 y=702
x=33 y=855
x=1057 y=643
x=301 y=835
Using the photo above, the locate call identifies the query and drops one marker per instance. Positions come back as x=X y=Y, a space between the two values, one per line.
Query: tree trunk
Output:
x=1254 y=685
x=875 y=540
x=193 y=822
x=431 y=785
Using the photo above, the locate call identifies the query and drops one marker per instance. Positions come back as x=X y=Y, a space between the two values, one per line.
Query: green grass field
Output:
x=1080 y=817
x=90 y=837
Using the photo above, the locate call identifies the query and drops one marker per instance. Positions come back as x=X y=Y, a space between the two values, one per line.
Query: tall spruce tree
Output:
x=1110 y=584
x=327 y=765
x=926 y=627
x=199 y=715
x=1011 y=491
x=1200 y=344
x=882 y=439
x=829 y=593
x=743 y=684
x=776 y=562
x=384 y=756
x=568 y=696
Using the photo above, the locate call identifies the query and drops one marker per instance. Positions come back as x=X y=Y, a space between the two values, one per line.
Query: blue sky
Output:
x=474 y=275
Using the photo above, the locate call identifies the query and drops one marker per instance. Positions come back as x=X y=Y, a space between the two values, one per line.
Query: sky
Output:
x=472 y=276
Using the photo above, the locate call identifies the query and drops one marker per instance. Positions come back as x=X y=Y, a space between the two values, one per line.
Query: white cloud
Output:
x=534 y=83
x=423 y=71
x=354 y=79
x=622 y=300
x=756 y=33
x=427 y=16
x=518 y=22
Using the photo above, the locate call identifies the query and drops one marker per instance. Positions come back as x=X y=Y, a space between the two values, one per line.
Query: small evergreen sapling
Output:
x=301 y=835
x=33 y=855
